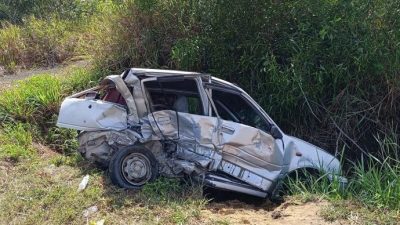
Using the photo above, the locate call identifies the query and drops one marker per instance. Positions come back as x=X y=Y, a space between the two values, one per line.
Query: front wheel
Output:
x=133 y=167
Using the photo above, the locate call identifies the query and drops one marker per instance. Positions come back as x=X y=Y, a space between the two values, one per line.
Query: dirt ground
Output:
x=238 y=212
x=234 y=208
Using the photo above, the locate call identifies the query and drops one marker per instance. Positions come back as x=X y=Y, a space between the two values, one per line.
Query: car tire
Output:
x=133 y=167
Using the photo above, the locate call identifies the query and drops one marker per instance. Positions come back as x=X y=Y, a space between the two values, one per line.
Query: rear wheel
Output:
x=133 y=167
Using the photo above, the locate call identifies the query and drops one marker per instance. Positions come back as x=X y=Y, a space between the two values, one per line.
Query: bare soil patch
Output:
x=237 y=212
x=234 y=208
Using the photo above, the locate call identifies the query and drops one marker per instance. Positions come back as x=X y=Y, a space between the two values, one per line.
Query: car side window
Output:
x=180 y=96
x=234 y=107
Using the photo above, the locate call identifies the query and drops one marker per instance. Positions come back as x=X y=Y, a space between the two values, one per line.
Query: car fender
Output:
x=300 y=154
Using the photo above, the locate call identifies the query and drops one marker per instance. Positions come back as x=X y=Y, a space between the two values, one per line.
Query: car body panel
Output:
x=94 y=115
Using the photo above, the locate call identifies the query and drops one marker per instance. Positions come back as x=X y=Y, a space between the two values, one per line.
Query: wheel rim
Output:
x=136 y=169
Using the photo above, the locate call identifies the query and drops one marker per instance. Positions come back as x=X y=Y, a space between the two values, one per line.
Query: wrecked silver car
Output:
x=147 y=123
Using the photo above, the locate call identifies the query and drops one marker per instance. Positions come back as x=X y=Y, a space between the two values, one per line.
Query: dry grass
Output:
x=351 y=212
x=43 y=190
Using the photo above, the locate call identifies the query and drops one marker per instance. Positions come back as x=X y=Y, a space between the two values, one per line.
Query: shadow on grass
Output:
x=167 y=191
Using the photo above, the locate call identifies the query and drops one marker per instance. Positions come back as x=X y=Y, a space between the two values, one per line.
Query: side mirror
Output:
x=275 y=132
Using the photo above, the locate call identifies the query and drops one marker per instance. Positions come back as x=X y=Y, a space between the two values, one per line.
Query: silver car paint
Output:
x=94 y=115
x=203 y=143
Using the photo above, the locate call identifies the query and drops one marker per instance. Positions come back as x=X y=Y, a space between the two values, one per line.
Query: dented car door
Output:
x=225 y=143
x=249 y=153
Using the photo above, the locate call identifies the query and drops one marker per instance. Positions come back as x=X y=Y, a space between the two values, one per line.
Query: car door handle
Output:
x=227 y=130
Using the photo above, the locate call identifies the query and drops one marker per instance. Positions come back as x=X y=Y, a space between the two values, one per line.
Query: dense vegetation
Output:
x=47 y=32
x=326 y=71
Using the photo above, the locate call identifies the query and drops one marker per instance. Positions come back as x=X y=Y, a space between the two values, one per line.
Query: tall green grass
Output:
x=32 y=99
x=377 y=179
x=373 y=181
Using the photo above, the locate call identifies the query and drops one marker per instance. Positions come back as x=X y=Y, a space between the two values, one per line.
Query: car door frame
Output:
x=200 y=89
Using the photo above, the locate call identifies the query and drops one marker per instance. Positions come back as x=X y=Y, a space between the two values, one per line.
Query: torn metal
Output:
x=183 y=120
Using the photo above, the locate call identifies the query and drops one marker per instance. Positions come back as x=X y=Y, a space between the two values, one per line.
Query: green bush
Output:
x=16 y=10
x=49 y=42
x=142 y=33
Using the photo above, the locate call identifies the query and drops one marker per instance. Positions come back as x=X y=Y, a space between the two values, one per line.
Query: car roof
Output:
x=159 y=72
